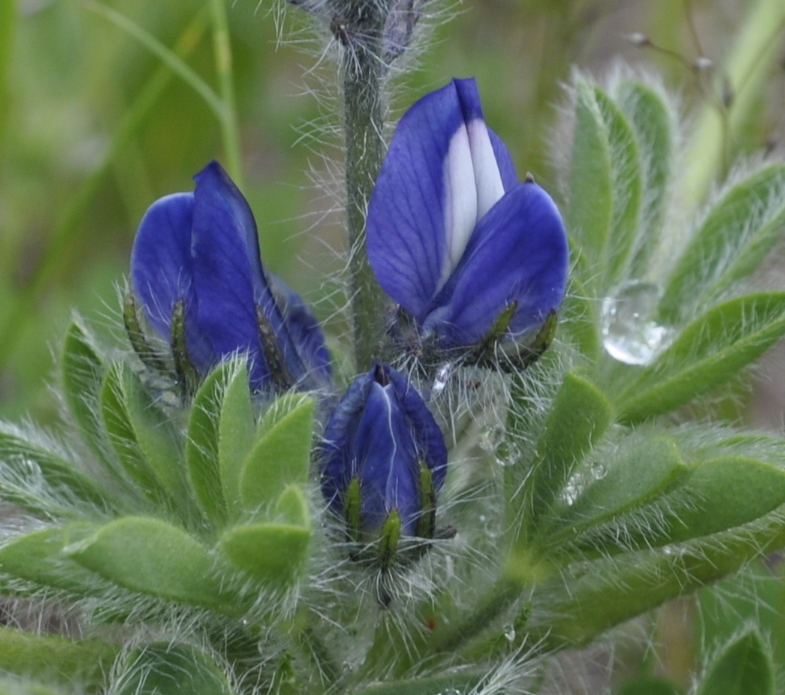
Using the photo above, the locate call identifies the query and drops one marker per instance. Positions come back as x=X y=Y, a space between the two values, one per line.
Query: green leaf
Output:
x=590 y=210
x=579 y=417
x=578 y=319
x=626 y=177
x=707 y=353
x=201 y=452
x=152 y=557
x=717 y=495
x=744 y=667
x=649 y=685
x=292 y=507
x=457 y=684
x=731 y=242
x=275 y=554
x=57 y=659
x=171 y=669
x=655 y=129
x=578 y=603
x=721 y=494
x=81 y=378
x=236 y=434
x=282 y=455
x=35 y=475
x=617 y=483
x=37 y=557
x=122 y=436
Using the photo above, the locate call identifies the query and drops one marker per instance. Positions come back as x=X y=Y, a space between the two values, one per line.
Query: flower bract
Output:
x=453 y=237
x=383 y=454
x=196 y=255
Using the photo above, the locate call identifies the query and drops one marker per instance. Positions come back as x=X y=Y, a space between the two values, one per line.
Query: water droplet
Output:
x=491 y=438
x=509 y=632
x=598 y=470
x=629 y=333
x=443 y=375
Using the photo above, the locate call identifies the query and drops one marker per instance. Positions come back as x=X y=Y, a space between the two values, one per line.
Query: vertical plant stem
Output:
x=364 y=72
x=223 y=67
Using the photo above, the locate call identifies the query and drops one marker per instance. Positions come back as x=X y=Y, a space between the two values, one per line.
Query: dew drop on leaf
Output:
x=629 y=333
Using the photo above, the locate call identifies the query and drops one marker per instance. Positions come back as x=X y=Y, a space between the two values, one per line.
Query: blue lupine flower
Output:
x=453 y=237
x=383 y=454
x=198 y=253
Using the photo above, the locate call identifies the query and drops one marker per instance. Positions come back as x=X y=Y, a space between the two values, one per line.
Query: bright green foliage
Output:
x=737 y=233
x=201 y=453
x=236 y=435
x=82 y=375
x=37 y=558
x=272 y=553
x=171 y=669
x=708 y=352
x=69 y=663
x=142 y=438
x=151 y=557
x=579 y=416
x=743 y=667
x=282 y=453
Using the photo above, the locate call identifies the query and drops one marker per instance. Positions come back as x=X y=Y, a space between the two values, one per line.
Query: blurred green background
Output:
x=93 y=129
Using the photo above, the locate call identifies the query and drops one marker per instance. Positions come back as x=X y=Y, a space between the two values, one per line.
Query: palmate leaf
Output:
x=653 y=120
x=579 y=417
x=201 y=452
x=708 y=352
x=154 y=558
x=737 y=233
x=587 y=598
x=281 y=455
x=37 y=558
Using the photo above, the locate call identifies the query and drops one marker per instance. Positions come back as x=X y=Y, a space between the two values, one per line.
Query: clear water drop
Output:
x=629 y=333
x=491 y=437
x=443 y=375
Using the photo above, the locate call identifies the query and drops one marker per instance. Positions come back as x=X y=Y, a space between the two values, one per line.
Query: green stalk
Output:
x=364 y=72
x=223 y=67
x=7 y=30
x=746 y=70
x=69 y=226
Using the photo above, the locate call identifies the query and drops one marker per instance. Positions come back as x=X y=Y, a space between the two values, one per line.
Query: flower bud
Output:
x=383 y=461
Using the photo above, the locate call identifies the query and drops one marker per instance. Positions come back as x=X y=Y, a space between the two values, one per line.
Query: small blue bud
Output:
x=383 y=460
x=198 y=278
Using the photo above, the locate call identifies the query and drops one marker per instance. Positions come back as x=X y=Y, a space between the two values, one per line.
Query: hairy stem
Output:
x=364 y=72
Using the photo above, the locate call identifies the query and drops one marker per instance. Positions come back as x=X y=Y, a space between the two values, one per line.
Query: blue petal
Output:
x=517 y=253
x=309 y=359
x=428 y=437
x=227 y=270
x=339 y=464
x=388 y=459
x=504 y=160
x=443 y=171
x=162 y=273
